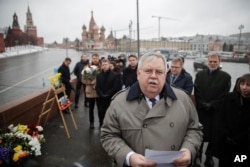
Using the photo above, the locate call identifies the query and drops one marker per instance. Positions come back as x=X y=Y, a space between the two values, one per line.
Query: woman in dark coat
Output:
x=233 y=126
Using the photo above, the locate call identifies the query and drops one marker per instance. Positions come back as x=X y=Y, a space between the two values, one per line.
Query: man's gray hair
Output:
x=150 y=56
x=214 y=55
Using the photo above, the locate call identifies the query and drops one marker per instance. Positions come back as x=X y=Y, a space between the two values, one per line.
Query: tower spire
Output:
x=29 y=20
x=92 y=22
x=15 y=24
x=30 y=28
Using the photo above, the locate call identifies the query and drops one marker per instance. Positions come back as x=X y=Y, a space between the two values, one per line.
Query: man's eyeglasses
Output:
x=213 y=61
x=150 y=72
x=174 y=67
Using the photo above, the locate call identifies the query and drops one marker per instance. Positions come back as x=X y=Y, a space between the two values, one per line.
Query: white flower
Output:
x=11 y=126
x=20 y=135
x=35 y=146
x=88 y=70
x=23 y=136
x=94 y=68
x=9 y=134
x=41 y=136
x=39 y=128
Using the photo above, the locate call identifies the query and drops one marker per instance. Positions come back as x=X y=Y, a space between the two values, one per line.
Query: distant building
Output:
x=92 y=38
x=15 y=36
x=111 y=42
x=126 y=45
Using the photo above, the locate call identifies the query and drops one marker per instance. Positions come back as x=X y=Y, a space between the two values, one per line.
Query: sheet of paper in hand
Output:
x=162 y=158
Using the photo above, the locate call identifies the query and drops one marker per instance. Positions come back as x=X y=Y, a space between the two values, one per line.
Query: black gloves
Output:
x=207 y=106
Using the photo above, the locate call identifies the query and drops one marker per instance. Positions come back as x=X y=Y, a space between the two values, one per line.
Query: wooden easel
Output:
x=61 y=107
x=47 y=107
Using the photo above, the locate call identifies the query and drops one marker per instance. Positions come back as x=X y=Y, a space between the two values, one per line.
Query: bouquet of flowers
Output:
x=90 y=72
x=55 y=80
x=19 y=142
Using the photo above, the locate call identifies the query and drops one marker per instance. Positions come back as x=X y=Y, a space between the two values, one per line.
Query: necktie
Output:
x=173 y=78
x=153 y=101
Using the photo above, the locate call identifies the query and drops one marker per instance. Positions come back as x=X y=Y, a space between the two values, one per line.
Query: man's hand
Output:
x=138 y=160
x=185 y=160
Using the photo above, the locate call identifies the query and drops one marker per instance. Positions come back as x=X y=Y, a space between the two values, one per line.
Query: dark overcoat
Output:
x=232 y=130
x=65 y=77
x=209 y=88
x=129 y=76
x=184 y=81
x=107 y=84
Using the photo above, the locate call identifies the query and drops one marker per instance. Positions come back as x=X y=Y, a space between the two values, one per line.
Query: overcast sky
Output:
x=56 y=19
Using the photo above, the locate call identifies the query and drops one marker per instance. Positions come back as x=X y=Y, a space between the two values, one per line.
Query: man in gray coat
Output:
x=151 y=114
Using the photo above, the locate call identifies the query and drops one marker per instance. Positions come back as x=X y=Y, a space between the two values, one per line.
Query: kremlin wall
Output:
x=15 y=36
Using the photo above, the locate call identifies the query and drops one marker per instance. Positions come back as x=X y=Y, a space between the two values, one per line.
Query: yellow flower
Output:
x=18 y=148
x=16 y=157
x=58 y=75
x=55 y=79
x=22 y=128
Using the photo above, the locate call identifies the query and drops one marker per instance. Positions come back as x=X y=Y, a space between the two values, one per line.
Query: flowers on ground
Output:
x=20 y=142
x=55 y=80
x=90 y=72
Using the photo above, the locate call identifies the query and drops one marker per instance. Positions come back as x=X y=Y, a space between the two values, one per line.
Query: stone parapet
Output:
x=27 y=109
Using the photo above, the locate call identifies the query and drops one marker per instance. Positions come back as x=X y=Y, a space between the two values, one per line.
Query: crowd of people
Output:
x=145 y=105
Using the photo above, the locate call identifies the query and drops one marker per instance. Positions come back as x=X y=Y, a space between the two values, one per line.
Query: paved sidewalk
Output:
x=83 y=147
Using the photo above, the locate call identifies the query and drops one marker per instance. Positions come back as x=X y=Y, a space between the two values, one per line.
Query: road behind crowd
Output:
x=26 y=74
x=22 y=75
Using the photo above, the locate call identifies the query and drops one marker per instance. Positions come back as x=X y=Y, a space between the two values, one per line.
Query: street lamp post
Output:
x=29 y=45
x=240 y=28
x=66 y=41
x=16 y=41
x=138 y=32
x=201 y=48
x=130 y=34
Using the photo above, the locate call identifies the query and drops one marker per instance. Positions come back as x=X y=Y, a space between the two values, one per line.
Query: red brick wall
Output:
x=40 y=41
x=2 y=45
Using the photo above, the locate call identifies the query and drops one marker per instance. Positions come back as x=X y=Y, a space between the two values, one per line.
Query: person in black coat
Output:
x=232 y=129
x=77 y=71
x=130 y=72
x=118 y=72
x=210 y=86
x=65 y=71
x=107 y=84
x=179 y=77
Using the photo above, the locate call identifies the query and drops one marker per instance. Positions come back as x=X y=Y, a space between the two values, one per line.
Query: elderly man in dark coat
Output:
x=209 y=86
